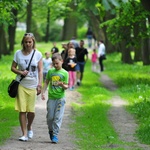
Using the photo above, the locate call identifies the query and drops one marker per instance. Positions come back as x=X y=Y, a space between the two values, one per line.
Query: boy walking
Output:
x=57 y=80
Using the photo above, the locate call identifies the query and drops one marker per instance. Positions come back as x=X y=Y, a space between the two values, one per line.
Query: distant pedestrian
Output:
x=54 y=49
x=75 y=42
x=47 y=64
x=101 y=54
x=89 y=35
x=71 y=62
x=57 y=80
x=94 y=58
x=82 y=57
x=64 y=55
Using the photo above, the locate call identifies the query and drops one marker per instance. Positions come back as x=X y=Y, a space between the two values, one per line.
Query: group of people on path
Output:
x=56 y=80
x=74 y=57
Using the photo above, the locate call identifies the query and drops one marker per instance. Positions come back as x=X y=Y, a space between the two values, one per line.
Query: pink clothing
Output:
x=72 y=78
x=94 y=57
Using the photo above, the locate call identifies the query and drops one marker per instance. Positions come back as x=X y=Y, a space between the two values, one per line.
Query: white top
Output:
x=31 y=79
x=101 y=50
x=46 y=64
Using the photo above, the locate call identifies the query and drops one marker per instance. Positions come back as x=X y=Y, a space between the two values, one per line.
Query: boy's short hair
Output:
x=56 y=56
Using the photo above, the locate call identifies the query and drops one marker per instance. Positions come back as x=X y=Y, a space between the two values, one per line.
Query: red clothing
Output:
x=94 y=57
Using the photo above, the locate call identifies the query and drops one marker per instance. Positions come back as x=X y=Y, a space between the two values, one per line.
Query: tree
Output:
x=8 y=12
x=122 y=29
x=29 y=16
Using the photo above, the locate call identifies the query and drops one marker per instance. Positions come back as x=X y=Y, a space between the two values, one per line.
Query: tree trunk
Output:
x=146 y=4
x=145 y=47
x=109 y=46
x=3 y=42
x=145 y=51
x=12 y=31
x=95 y=23
x=69 y=29
x=126 y=55
x=29 y=16
x=48 y=25
x=137 y=46
x=70 y=25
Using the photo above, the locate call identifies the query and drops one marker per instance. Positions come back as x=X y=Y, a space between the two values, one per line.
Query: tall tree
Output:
x=29 y=16
x=12 y=30
x=47 y=25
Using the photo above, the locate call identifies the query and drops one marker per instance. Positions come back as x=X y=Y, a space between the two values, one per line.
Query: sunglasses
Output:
x=29 y=34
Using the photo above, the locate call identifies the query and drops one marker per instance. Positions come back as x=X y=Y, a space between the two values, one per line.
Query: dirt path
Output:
x=122 y=121
x=41 y=139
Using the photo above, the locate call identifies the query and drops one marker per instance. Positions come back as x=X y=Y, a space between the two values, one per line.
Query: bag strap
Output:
x=28 y=65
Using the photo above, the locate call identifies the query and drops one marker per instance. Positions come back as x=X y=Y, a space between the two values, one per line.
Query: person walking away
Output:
x=82 y=57
x=64 y=55
x=47 y=64
x=94 y=60
x=57 y=80
x=30 y=86
x=101 y=54
x=75 y=42
x=72 y=61
x=54 y=49
x=89 y=35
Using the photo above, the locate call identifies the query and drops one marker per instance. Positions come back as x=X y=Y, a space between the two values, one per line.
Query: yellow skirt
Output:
x=25 y=100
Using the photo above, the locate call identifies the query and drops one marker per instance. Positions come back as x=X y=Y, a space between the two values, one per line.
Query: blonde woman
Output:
x=30 y=86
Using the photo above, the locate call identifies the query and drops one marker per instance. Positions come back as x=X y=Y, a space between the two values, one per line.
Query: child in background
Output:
x=57 y=80
x=71 y=61
x=94 y=60
x=47 y=64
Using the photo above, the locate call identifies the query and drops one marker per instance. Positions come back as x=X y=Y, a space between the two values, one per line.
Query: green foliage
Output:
x=6 y=7
x=81 y=33
x=122 y=27
x=8 y=115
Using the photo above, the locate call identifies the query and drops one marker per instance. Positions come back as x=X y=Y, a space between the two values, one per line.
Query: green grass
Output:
x=92 y=126
x=133 y=82
x=7 y=113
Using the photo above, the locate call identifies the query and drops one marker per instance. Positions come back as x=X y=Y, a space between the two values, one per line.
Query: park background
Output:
x=124 y=27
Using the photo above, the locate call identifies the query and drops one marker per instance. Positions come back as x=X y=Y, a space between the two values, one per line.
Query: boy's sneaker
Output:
x=70 y=88
x=51 y=134
x=54 y=139
x=23 y=138
x=30 y=134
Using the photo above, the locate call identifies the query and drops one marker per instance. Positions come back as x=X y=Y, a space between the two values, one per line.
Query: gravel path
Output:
x=123 y=122
x=41 y=139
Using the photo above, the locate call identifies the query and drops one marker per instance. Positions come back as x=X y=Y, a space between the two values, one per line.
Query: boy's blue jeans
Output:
x=55 y=112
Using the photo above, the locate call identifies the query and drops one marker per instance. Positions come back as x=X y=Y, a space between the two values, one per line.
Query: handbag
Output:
x=103 y=57
x=13 y=86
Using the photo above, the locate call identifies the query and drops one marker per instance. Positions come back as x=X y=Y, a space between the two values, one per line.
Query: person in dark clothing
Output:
x=82 y=57
x=89 y=35
x=64 y=55
x=54 y=49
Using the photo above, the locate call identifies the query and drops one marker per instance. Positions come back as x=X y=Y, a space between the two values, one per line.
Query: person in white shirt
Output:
x=30 y=85
x=47 y=64
x=101 y=54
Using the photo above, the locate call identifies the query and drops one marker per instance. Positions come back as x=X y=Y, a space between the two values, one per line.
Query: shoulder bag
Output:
x=13 y=86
